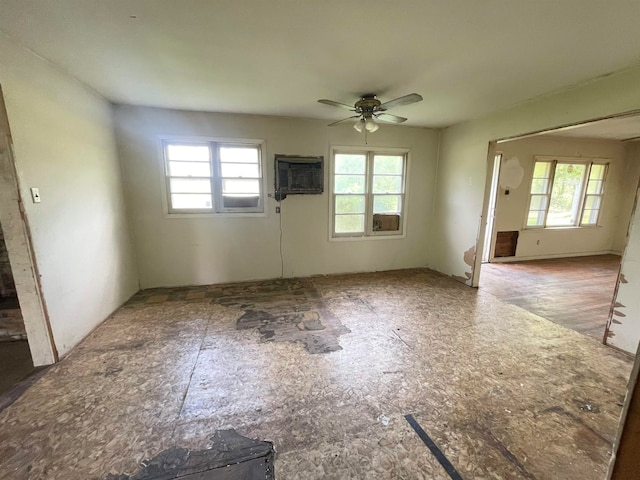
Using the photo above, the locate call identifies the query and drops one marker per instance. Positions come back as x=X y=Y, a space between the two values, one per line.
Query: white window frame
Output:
x=554 y=161
x=369 y=233
x=217 y=208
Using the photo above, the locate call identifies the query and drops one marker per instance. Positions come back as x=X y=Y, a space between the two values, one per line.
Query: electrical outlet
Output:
x=35 y=195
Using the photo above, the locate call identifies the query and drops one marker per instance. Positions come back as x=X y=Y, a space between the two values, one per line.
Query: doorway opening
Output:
x=555 y=234
x=16 y=363
x=491 y=211
x=25 y=333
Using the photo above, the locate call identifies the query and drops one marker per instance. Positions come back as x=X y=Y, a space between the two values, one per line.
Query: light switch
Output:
x=35 y=195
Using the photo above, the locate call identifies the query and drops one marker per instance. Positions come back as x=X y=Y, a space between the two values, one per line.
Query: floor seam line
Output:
x=186 y=392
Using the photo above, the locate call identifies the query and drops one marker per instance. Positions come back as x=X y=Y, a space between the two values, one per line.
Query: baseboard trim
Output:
x=556 y=255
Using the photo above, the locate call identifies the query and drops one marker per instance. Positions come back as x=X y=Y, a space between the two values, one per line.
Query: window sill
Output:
x=365 y=238
x=216 y=215
x=573 y=227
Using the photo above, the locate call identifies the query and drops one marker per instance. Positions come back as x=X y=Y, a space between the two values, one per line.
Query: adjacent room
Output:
x=554 y=240
x=319 y=240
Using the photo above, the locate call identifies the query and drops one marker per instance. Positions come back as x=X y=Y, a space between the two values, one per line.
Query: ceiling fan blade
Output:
x=406 y=100
x=387 y=117
x=337 y=104
x=344 y=120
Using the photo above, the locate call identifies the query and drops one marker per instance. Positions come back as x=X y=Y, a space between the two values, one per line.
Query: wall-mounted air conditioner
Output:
x=296 y=175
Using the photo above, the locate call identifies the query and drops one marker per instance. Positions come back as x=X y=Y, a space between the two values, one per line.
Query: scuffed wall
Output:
x=469 y=258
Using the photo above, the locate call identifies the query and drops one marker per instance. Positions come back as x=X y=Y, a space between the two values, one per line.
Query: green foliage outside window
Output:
x=365 y=184
x=565 y=194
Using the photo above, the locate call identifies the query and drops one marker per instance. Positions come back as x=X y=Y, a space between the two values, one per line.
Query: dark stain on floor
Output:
x=304 y=327
x=231 y=457
x=267 y=307
x=269 y=310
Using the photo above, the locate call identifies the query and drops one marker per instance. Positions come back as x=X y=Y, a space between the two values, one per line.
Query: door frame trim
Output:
x=17 y=235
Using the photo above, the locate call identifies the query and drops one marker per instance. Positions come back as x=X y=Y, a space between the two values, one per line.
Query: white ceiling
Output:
x=277 y=57
x=618 y=128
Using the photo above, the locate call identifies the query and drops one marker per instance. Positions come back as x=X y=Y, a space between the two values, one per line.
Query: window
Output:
x=213 y=177
x=565 y=193
x=368 y=193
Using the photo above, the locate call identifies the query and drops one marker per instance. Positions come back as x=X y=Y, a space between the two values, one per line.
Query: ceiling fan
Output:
x=369 y=109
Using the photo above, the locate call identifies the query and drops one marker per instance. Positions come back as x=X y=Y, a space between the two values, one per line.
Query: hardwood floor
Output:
x=574 y=292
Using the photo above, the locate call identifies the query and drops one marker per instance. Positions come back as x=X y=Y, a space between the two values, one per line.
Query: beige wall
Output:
x=64 y=144
x=204 y=250
x=511 y=210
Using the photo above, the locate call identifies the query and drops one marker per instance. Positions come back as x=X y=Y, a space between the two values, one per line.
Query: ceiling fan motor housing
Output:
x=367 y=105
x=369 y=108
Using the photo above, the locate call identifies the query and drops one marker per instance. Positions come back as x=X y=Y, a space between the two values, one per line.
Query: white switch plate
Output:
x=35 y=195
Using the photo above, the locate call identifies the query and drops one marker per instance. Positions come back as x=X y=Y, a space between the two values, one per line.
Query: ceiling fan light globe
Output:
x=371 y=125
x=359 y=125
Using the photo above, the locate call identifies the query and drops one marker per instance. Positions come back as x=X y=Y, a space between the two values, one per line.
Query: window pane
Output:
x=239 y=154
x=387 y=164
x=565 y=194
x=386 y=204
x=535 y=218
x=246 y=170
x=190 y=201
x=189 y=169
x=179 y=185
x=560 y=218
x=349 y=204
x=592 y=202
x=190 y=153
x=539 y=185
x=240 y=186
x=542 y=170
x=597 y=172
x=589 y=217
x=349 y=184
x=594 y=187
x=349 y=223
x=354 y=164
x=538 y=202
x=387 y=184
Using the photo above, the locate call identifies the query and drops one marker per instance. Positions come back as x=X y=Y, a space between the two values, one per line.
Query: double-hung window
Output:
x=368 y=193
x=566 y=192
x=213 y=177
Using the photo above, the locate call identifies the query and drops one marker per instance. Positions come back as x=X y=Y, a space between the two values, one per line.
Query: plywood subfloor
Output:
x=504 y=393
x=573 y=292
